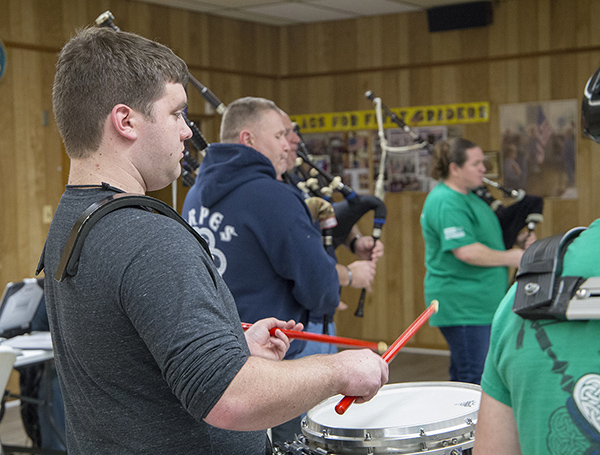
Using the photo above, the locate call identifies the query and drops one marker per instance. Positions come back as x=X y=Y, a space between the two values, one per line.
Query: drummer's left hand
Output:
x=262 y=344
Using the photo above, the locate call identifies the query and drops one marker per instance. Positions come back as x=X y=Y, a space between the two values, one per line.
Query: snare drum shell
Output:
x=408 y=418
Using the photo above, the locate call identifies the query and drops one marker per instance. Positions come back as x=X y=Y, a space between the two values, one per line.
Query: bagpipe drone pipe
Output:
x=189 y=164
x=525 y=211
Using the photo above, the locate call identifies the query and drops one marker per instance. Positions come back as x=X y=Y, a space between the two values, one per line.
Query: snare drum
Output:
x=408 y=418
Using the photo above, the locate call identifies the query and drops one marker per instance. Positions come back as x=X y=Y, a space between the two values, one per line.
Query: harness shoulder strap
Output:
x=69 y=260
x=542 y=293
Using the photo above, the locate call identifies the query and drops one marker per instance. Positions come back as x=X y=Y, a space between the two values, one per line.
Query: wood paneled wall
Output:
x=534 y=50
x=233 y=58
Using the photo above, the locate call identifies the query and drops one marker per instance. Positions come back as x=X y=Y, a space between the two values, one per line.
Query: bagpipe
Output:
x=525 y=211
x=189 y=164
x=318 y=183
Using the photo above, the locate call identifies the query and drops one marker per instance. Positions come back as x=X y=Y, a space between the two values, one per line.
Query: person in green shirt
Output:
x=541 y=382
x=467 y=263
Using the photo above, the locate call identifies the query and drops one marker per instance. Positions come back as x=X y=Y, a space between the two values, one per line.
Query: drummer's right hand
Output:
x=362 y=372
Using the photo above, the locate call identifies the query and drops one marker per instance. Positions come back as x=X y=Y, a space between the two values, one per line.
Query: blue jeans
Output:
x=52 y=414
x=287 y=431
x=314 y=347
x=469 y=345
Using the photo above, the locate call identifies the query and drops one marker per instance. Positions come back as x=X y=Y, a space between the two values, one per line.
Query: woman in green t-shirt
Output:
x=465 y=256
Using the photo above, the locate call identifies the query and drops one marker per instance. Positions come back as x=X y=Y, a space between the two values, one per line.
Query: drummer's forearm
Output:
x=266 y=393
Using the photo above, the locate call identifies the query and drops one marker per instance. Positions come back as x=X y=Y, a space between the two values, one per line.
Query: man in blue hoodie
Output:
x=260 y=231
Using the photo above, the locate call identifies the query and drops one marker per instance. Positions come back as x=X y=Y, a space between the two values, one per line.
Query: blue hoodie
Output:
x=262 y=237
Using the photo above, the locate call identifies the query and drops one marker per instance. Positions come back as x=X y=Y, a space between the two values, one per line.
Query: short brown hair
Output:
x=100 y=68
x=243 y=113
x=449 y=151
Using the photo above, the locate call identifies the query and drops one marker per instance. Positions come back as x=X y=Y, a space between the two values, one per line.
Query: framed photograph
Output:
x=492 y=164
x=539 y=144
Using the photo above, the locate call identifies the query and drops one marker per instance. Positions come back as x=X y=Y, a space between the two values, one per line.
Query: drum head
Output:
x=417 y=417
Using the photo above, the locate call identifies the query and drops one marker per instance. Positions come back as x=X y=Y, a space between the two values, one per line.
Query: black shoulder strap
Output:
x=542 y=293
x=69 y=260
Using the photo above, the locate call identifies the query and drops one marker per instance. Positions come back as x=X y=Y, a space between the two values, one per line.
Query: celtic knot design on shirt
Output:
x=574 y=429
x=563 y=435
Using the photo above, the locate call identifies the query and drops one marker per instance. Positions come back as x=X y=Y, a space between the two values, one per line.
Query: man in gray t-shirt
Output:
x=149 y=349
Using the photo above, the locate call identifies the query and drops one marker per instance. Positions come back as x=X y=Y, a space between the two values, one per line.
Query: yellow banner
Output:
x=443 y=114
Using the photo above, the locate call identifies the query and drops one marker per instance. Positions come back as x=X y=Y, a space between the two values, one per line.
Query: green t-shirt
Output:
x=549 y=371
x=468 y=294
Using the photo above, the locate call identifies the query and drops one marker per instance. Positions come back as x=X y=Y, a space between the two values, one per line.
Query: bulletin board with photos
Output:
x=355 y=156
x=344 y=154
x=408 y=171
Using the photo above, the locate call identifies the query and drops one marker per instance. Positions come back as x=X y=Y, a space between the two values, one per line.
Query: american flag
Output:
x=544 y=131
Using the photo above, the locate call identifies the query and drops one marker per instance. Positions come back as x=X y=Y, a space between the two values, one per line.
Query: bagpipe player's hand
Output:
x=525 y=238
x=363 y=247
x=342 y=306
x=514 y=256
x=529 y=239
x=363 y=274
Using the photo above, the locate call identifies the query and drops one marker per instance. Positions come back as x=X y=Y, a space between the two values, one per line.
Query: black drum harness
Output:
x=542 y=291
x=69 y=260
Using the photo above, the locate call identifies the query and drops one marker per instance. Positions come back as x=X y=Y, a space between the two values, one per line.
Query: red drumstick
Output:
x=393 y=350
x=339 y=341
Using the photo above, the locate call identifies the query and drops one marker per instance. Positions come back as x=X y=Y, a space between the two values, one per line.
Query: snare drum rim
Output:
x=460 y=427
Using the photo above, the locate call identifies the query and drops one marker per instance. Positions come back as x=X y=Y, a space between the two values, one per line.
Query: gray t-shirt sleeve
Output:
x=184 y=313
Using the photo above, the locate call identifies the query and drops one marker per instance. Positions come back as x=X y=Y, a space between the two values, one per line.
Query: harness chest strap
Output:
x=69 y=260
